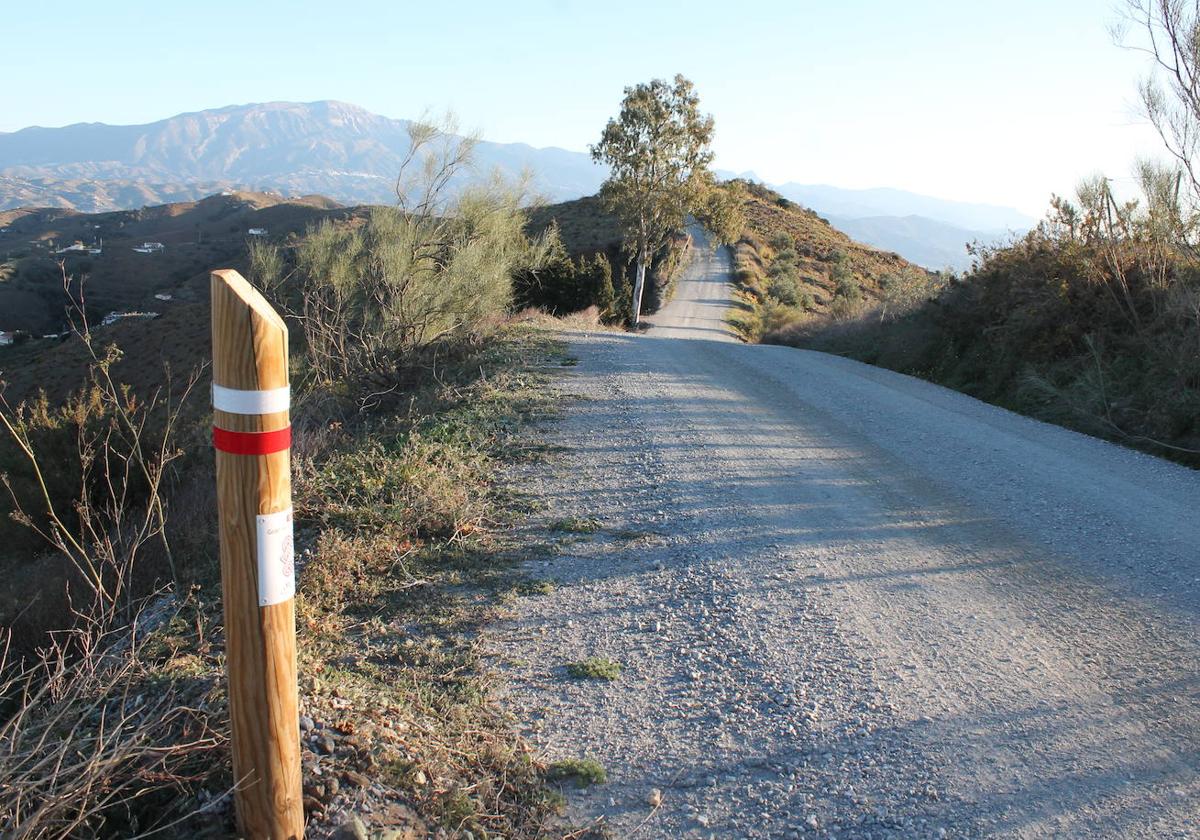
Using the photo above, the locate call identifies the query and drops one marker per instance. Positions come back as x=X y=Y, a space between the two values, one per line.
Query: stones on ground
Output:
x=355 y=829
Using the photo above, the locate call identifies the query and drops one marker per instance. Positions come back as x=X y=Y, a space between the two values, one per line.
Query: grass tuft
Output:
x=582 y=771
x=575 y=525
x=536 y=586
x=595 y=668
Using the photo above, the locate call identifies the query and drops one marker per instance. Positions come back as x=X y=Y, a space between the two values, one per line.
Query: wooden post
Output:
x=252 y=437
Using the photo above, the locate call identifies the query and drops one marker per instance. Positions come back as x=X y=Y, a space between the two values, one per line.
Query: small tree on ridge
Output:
x=658 y=152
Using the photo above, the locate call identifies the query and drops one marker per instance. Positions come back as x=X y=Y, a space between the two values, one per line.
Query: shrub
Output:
x=600 y=282
x=103 y=727
x=622 y=310
x=782 y=287
x=906 y=290
x=1091 y=321
x=86 y=482
x=785 y=258
x=438 y=264
x=744 y=275
x=781 y=241
x=373 y=294
x=108 y=731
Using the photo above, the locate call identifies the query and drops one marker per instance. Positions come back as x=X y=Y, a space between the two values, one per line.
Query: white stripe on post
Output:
x=236 y=401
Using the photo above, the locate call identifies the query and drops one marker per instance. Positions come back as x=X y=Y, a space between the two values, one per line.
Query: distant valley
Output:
x=351 y=155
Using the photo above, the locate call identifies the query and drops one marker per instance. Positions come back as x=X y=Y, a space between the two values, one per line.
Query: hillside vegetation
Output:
x=213 y=231
x=790 y=264
x=1091 y=321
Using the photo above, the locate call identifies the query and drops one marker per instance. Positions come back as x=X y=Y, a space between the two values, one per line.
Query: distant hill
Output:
x=927 y=242
x=859 y=204
x=196 y=237
x=96 y=196
x=331 y=148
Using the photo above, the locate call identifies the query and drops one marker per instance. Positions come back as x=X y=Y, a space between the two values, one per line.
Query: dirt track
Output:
x=853 y=603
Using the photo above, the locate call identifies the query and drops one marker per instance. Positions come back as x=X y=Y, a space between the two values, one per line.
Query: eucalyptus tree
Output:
x=658 y=151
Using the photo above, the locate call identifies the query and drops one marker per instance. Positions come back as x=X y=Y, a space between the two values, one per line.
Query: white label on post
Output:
x=276 y=562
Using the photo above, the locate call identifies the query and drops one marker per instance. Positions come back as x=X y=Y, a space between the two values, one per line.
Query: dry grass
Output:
x=115 y=732
x=402 y=534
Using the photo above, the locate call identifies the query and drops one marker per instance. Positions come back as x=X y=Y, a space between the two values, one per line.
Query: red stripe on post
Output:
x=252 y=443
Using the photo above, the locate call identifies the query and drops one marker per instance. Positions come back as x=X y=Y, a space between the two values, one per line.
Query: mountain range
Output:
x=328 y=148
x=352 y=155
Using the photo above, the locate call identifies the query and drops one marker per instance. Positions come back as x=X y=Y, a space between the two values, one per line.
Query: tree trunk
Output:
x=638 y=284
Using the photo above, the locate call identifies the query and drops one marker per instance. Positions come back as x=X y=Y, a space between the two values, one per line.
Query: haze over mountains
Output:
x=932 y=232
x=352 y=155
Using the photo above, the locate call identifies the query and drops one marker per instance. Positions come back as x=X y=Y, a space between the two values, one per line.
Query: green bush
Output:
x=373 y=294
x=582 y=771
x=906 y=290
x=596 y=668
x=560 y=285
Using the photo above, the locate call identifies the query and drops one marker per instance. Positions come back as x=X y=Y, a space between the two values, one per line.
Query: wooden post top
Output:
x=250 y=339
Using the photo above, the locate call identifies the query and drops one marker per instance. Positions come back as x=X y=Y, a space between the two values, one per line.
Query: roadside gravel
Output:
x=849 y=603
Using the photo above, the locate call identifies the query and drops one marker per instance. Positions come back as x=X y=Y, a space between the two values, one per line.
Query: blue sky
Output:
x=1003 y=102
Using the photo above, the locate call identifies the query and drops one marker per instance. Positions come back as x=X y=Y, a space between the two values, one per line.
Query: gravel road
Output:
x=850 y=603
